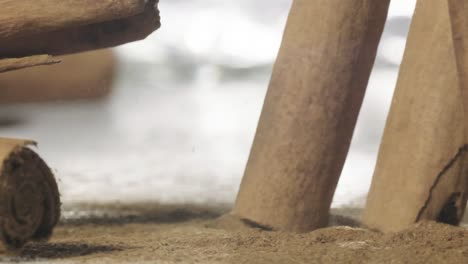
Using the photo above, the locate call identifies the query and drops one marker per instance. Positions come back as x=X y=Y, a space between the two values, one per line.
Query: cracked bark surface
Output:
x=420 y=172
x=459 y=156
x=458 y=11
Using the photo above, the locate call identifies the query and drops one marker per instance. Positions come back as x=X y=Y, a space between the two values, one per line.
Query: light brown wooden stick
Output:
x=458 y=10
x=26 y=62
x=420 y=169
x=82 y=75
x=86 y=37
x=310 y=111
x=27 y=17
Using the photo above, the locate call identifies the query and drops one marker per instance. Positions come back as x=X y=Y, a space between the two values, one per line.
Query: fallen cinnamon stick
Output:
x=29 y=17
x=29 y=197
x=78 y=37
x=420 y=172
x=26 y=62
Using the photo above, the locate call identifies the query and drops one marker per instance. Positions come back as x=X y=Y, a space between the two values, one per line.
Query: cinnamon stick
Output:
x=310 y=112
x=421 y=167
x=78 y=76
x=29 y=197
x=458 y=10
x=29 y=17
x=80 y=36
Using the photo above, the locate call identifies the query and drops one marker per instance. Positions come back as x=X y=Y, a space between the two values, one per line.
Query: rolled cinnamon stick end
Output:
x=29 y=196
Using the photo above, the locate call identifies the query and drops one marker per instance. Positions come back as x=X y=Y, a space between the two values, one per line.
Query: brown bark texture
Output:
x=58 y=27
x=310 y=111
x=27 y=17
x=458 y=11
x=421 y=167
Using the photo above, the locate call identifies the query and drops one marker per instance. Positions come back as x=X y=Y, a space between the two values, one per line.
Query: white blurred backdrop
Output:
x=181 y=119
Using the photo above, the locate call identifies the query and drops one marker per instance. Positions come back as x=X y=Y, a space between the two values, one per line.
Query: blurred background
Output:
x=177 y=120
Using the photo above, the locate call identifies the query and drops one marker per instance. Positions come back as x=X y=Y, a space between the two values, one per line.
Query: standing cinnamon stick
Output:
x=310 y=112
x=420 y=172
x=458 y=10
